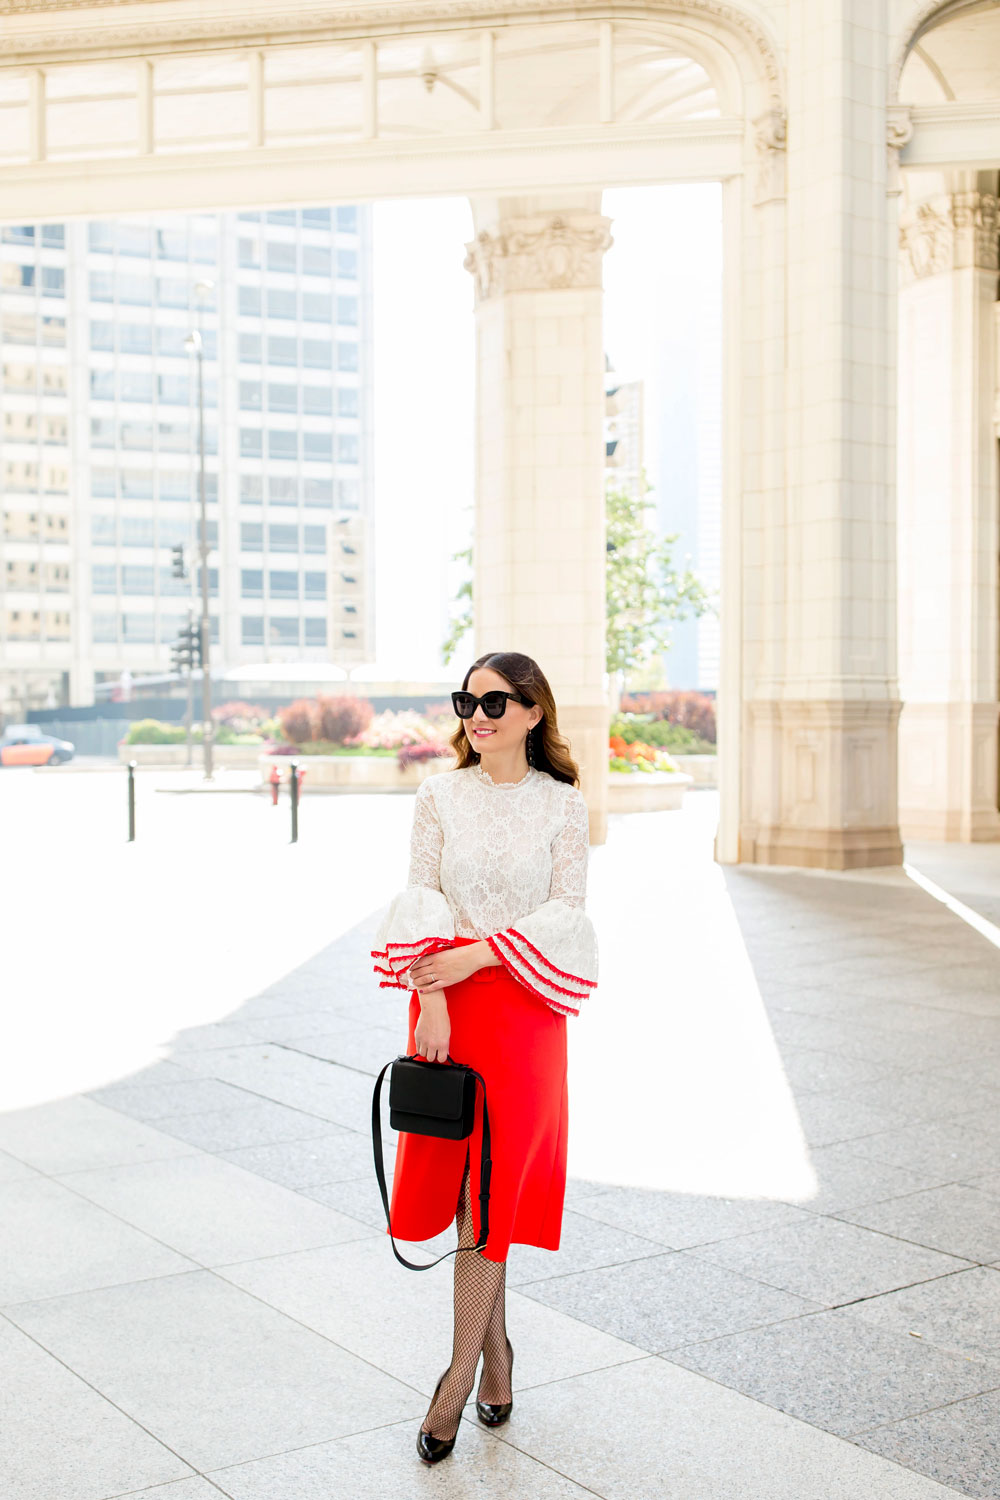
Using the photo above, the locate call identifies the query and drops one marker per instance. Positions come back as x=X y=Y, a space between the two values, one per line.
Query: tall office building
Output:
x=99 y=444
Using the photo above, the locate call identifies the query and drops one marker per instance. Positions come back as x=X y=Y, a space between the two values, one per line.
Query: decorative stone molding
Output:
x=771 y=140
x=539 y=254
x=898 y=130
x=71 y=29
x=950 y=232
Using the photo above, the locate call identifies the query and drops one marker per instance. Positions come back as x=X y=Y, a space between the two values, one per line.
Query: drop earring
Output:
x=531 y=758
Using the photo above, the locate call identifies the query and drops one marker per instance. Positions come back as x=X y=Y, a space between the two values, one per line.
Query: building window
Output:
x=315 y=585
x=250 y=442
x=282 y=444
x=102 y=432
x=347 y=311
x=251 y=393
x=170 y=244
x=102 y=286
x=137 y=484
x=347 y=448
x=316 y=218
x=283 y=489
x=103 y=484
x=282 y=351
x=347 y=356
x=250 y=253
x=283 y=538
x=250 y=346
x=134 y=291
x=280 y=256
x=53 y=281
x=138 y=628
x=252 y=630
x=284 y=632
x=102 y=531
x=251 y=536
x=171 y=292
x=314 y=538
x=316 y=307
x=317 y=354
x=137 y=338
x=317 y=400
x=281 y=216
x=251 y=488
x=315 y=631
x=102 y=335
x=280 y=304
x=318 y=492
x=99 y=237
x=134 y=385
x=347 y=219
x=137 y=531
x=283 y=398
x=283 y=585
x=103 y=628
x=317 y=445
x=103 y=578
x=249 y=303
x=251 y=583
x=316 y=260
x=347 y=265
x=347 y=401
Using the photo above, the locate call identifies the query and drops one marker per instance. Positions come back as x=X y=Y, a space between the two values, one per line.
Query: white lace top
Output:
x=503 y=861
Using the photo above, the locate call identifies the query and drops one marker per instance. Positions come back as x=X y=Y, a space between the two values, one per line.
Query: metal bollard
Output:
x=294 y=768
x=131 y=801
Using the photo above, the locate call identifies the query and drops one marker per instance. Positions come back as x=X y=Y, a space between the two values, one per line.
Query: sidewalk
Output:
x=780 y=1271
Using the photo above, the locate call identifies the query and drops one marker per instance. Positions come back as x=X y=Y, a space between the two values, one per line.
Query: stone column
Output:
x=820 y=736
x=948 y=514
x=539 y=550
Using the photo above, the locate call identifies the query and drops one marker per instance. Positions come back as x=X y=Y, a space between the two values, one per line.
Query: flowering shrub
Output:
x=409 y=755
x=394 y=728
x=341 y=719
x=636 y=757
x=297 y=721
x=241 y=718
x=694 y=711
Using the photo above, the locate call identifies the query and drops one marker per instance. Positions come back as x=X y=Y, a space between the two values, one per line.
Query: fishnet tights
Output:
x=480 y=1328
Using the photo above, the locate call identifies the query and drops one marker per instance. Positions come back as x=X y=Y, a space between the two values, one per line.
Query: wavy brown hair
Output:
x=549 y=750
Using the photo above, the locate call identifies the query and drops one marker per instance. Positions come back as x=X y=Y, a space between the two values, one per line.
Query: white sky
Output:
x=667 y=243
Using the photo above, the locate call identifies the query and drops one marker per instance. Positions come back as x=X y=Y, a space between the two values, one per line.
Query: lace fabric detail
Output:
x=509 y=869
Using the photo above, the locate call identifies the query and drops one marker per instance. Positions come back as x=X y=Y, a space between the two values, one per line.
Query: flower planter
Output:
x=703 y=769
x=353 y=773
x=646 y=791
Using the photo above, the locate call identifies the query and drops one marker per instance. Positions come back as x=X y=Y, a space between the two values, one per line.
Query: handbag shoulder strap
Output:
x=485 y=1171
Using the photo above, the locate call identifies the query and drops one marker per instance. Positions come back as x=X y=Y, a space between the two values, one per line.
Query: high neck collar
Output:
x=483 y=775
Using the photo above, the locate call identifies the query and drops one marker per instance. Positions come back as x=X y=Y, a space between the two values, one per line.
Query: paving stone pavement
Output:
x=780 y=1270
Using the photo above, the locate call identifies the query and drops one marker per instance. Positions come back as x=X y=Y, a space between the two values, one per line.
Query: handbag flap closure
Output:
x=435 y=1089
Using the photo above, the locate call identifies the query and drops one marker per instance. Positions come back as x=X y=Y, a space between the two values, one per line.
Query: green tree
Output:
x=645 y=591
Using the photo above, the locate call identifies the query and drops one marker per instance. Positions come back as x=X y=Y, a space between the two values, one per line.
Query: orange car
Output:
x=27 y=745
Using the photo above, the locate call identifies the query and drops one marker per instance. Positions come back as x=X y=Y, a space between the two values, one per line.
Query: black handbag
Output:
x=437 y=1099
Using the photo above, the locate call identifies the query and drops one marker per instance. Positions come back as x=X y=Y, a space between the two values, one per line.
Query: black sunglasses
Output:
x=494 y=703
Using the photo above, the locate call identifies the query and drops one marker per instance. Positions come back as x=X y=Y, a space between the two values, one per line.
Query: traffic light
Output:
x=178 y=569
x=186 y=652
x=195 y=646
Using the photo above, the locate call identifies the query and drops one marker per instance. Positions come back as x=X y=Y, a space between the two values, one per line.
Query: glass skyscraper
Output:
x=99 y=456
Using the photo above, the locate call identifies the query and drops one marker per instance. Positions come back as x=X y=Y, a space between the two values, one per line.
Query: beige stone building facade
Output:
x=858 y=145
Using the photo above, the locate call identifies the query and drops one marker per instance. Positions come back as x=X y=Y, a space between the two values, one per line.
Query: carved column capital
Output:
x=898 y=130
x=950 y=232
x=539 y=254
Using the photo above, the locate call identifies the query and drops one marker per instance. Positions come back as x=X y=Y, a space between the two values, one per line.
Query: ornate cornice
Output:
x=239 y=25
x=950 y=232
x=539 y=254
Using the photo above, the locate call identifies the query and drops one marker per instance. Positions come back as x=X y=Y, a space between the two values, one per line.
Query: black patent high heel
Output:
x=494 y=1414
x=432 y=1449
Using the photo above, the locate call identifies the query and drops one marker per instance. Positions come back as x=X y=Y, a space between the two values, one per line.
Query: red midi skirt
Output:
x=518 y=1044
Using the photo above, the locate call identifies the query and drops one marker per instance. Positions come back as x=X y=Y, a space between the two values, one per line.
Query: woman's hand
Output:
x=449 y=966
x=432 y=1032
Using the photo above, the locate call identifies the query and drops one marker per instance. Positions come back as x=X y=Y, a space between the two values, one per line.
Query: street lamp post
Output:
x=195 y=342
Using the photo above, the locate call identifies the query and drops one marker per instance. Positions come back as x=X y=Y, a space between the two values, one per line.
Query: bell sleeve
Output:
x=553 y=950
x=419 y=919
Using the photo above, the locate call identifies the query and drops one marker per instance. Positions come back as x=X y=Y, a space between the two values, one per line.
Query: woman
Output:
x=491 y=938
